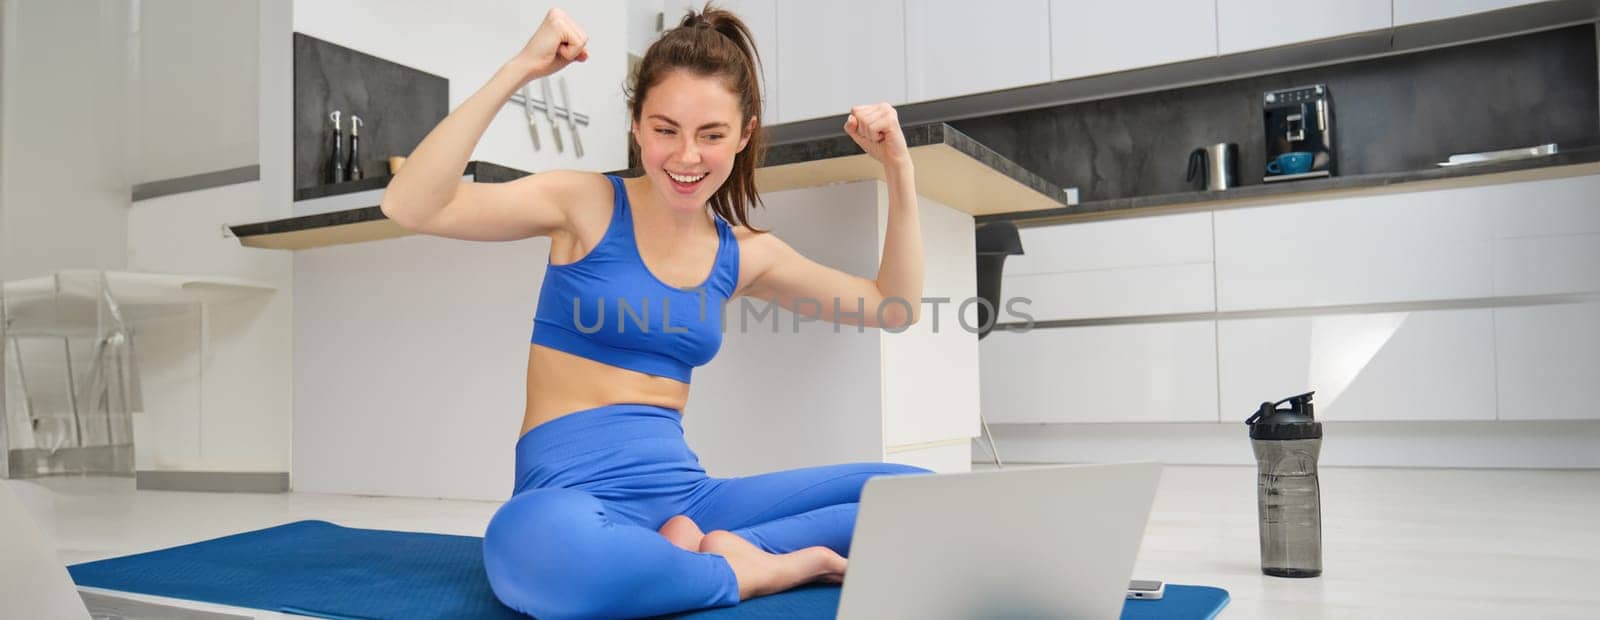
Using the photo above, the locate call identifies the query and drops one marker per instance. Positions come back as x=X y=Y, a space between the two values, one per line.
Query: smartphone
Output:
x=1148 y=590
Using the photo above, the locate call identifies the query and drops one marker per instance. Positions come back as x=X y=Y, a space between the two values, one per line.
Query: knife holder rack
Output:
x=558 y=111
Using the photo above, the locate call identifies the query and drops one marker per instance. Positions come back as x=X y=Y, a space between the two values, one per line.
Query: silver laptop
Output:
x=1047 y=542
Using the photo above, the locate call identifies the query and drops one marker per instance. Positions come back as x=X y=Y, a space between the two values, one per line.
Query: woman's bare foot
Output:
x=760 y=573
x=683 y=532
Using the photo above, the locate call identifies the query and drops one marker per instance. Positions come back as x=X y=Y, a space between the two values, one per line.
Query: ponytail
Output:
x=713 y=43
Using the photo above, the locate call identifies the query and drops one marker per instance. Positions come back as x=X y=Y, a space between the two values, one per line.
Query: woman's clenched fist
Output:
x=558 y=43
x=876 y=129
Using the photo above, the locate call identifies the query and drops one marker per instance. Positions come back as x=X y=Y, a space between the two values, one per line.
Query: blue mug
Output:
x=1290 y=163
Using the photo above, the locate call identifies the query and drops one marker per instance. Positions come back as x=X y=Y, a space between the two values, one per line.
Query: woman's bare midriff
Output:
x=560 y=383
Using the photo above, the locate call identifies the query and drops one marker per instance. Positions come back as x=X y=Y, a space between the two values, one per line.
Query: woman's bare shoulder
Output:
x=580 y=189
x=586 y=195
x=756 y=242
x=758 y=250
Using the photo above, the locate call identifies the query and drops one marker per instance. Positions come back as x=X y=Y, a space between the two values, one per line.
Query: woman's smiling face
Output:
x=688 y=133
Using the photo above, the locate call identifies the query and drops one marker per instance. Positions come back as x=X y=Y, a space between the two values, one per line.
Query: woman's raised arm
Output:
x=427 y=194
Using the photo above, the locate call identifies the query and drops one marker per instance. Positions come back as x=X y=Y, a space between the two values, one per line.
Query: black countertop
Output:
x=479 y=170
x=930 y=134
x=940 y=133
x=1288 y=189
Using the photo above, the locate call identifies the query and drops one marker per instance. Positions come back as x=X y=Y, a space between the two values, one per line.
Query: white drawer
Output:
x=1156 y=372
x=1434 y=365
x=1134 y=242
x=1133 y=267
x=1133 y=291
x=1548 y=361
x=1541 y=208
x=1546 y=237
x=1529 y=238
x=1371 y=249
x=1547 y=265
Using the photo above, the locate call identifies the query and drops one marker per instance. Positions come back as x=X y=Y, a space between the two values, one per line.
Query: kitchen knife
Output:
x=549 y=105
x=527 y=112
x=572 y=125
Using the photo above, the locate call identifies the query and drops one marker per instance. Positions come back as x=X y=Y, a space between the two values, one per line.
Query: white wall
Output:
x=641 y=27
x=5 y=52
x=930 y=370
x=822 y=393
x=100 y=96
x=410 y=354
x=229 y=409
x=409 y=379
x=409 y=365
x=64 y=187
x=796 y=397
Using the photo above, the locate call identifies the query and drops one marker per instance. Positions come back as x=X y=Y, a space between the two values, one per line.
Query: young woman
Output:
x=610 y=509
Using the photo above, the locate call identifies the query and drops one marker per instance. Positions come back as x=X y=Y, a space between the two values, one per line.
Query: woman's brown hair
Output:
x=712 y=43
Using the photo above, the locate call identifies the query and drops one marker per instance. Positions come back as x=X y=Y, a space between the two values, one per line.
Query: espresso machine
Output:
x=1299 y=133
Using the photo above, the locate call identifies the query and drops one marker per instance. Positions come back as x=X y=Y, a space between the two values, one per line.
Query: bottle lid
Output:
x=1295 y=422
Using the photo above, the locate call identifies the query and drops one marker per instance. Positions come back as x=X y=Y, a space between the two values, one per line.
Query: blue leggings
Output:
x=579 y=539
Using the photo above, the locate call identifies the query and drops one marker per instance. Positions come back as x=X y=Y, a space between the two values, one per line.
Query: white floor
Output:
x=1397 y=543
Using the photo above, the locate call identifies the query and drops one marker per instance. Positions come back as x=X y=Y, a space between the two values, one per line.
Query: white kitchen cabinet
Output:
x=1544 y=208
x=1156 y=372
x=1418 y=11
x=839 y=53
x=1090 y=38
x=1513 y=239
x=1556 y=264
x=1130 y=267
x=1546 y=237
x=1114 y=244
x=761 y=16
x=1398 y=366
x=955 y=48
x=1126 y=292
x=1244 y=25
x=1548 y=360
x=1407 y=247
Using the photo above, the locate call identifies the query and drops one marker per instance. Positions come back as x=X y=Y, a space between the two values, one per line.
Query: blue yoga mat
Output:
x=316 y=568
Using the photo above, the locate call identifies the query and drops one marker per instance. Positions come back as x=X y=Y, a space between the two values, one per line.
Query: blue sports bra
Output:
x=608 y=307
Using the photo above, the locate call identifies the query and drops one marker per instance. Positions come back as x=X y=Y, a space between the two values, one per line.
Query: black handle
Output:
x=1298 y=403
x=1197 y=166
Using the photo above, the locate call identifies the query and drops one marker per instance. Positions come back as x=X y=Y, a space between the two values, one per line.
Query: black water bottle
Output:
x=1287 y=442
